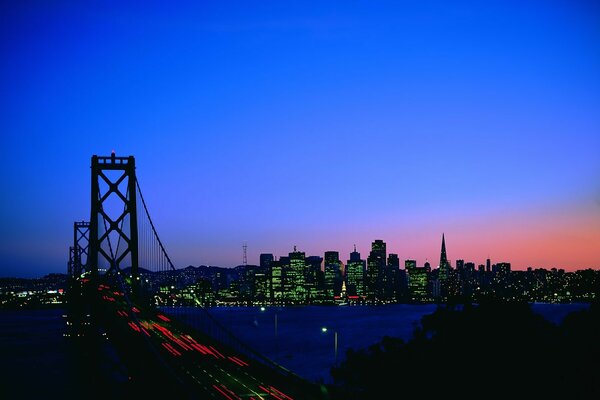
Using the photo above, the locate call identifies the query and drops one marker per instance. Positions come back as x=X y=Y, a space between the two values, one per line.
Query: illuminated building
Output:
x=314 y=278
x=444 y=265
x=503 y=268
x=333 y=275
x=262 y=285
x=417 y=281
x=376 y=270
x=295 y=278
x=390 y=282
x=355 y=275
x=277 y=282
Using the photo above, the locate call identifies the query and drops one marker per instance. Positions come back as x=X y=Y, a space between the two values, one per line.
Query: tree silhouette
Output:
x=492 y=349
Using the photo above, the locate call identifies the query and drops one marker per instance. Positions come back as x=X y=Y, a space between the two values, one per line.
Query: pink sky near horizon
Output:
x=566 y=236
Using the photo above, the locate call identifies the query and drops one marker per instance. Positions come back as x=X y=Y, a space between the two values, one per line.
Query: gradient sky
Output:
x=308 y=124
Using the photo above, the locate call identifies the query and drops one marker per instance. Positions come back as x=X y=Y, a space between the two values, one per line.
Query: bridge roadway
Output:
x=171 y=358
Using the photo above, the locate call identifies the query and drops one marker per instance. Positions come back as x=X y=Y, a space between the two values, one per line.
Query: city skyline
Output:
x=320 y=127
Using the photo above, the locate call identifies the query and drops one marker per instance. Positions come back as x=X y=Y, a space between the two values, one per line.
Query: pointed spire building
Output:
x=444 y=266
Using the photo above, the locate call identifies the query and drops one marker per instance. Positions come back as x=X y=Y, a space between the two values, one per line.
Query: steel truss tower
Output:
x=81 y=246
x=98 y=245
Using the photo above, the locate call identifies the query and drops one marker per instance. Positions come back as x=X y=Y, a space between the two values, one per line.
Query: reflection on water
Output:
x=294 y=338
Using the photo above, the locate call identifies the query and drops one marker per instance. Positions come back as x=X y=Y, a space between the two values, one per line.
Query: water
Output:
x=32 y=348
x=300 y=345
x=37 y=361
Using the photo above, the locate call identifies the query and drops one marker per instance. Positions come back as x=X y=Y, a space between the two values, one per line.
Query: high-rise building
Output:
x=503 y=268
x=314 y=277
x=427 y=266
x=390 y=283
x=265 y=260
x=379 y=247
x=287 y=279
x=333 y=274
x=417 y=281
x=262 y=284
x=296 y=275
x=488 y=265
x=376 y=263
x=470 y=267
x=444 y=265
x=354 y=256
x=355 y=275
x=277 y=278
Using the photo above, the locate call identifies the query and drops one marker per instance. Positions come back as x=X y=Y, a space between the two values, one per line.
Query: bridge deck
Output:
x=172 y=357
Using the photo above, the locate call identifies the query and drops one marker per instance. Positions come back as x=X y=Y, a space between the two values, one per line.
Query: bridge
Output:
x=108 y=296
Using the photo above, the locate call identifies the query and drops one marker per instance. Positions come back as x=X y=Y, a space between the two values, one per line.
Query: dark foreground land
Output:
x=500 y=350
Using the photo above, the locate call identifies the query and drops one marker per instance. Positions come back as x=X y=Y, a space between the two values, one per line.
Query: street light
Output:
x=335 y=343
x=276 y=336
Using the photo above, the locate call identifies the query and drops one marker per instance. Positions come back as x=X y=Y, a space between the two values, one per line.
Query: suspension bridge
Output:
x=107 y=296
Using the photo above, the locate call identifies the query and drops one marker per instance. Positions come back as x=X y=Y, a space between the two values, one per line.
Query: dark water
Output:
x=36 y=361
x=301 y=346
x=32 y=349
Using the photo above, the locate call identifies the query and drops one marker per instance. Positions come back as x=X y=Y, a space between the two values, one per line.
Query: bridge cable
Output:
x=162 y=248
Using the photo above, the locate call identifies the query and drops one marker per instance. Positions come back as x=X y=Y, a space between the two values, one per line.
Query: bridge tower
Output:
x=80 y=249
x=104 y=227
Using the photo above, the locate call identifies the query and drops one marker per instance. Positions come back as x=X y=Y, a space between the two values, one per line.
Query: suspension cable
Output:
x=162 y=248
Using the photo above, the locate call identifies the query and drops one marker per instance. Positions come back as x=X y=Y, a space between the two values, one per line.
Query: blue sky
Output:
x=309 y=124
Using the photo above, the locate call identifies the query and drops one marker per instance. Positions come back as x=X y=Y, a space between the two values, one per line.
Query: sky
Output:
x=315 y=124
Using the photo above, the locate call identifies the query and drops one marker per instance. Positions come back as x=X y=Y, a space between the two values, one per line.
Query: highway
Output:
x=206 y=367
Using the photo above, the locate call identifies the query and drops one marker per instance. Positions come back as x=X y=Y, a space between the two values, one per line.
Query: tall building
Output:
x=296 y=275
x=379 y=247
x=393 y=260
x=277 y=278
x=444 y=266
x=503 y=268
x=355 y=275
x=262 y=284
x=287 y=279
x=314 y=277
x=376 y=263
x=417 y=281
x=333 y=274
x=266 y=259
x=390 y=283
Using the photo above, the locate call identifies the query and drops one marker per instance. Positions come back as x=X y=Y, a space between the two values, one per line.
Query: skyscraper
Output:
x=417 y=281
x=333 y=274
x=390 y=281
x=277 y=278
x=444 y=267
x=314 y=277
x=355 y=275
x=376 y=270
x=266 y=259
x=296 y=274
